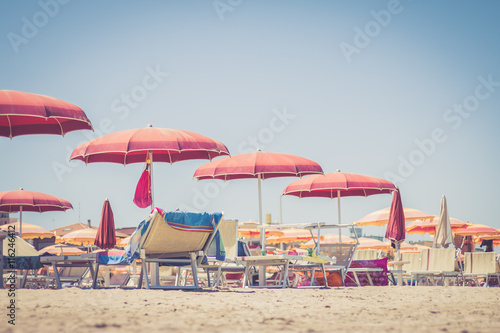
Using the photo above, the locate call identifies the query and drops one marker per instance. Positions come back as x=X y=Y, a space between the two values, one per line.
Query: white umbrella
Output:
x=443 y=234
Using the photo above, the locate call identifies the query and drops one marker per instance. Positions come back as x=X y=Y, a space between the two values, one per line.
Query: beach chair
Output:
x=481 y=267
x=438 y=265
x=366 y=254
x=174 y=239
x=228 y=271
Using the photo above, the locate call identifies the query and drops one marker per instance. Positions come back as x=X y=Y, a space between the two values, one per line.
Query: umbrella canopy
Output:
x=291 y=235
x=396 y=226
x=423 y=227
x=338 y=184
x=443 y=234
x=381 y=217
x=148 y=145
x=105 y=237
x=30 y=231
x=328 y=239
x=79 y=237
x=370 y=243
x=61 y=249
x=260 y=165
x=254 y=232
x=23 y=113
x=22 y=248
x=163 y=145
x=21 y=200
x=473 y=229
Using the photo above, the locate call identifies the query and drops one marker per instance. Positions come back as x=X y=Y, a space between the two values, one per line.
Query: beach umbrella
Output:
x=478 y=239
x=24 y=113
x=61 y=249
x=396 y=230
x=250 y=230
x=30 y=231
x=149 y=145
x=474 y=229
x=422 y=227
x=338 y=184
x=329 y=239
x=260 y=165
x=292 y=235
x=79 y=237
x=105 y=237
x=371 y=243
x=443 y=235
x=381 y=217
x=22 y=248
x=31 y=201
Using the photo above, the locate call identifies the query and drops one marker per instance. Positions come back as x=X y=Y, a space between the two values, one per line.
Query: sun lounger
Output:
x=481 y=267
x=68 y=268
x=437 y=264
x=175 y=239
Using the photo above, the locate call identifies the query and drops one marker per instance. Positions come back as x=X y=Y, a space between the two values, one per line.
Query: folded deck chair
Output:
x=175 y=239
x=481 y=266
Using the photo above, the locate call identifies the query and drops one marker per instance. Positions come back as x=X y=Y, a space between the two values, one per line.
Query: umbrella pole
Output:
x=338 y=204
x=262 y=271
x=151 y=180
x=21 y=221
x=281 y=209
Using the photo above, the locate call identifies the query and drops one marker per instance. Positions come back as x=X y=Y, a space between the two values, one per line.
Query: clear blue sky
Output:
x=405 y=90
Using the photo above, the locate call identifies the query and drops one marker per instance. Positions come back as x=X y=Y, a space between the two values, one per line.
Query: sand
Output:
x=365 y=309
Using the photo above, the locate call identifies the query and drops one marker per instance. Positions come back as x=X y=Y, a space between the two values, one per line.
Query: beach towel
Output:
x=187 y=221
x=112 y=257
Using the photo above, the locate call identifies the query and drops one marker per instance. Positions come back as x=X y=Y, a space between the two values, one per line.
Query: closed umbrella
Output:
x=21 y=200
x=24 y=113
x=443 y=235
x=149 y=145
x=105 y=237
x=396 y=230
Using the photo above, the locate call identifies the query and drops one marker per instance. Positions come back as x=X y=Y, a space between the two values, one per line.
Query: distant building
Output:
x=5 y=219
x=70 y=228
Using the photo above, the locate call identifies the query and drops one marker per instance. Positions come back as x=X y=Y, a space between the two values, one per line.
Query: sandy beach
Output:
x=366 y=309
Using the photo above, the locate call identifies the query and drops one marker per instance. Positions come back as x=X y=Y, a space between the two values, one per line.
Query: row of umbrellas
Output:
x=24 y=113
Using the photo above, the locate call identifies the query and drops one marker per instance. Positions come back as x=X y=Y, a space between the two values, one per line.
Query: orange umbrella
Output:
x=370 y=243
x=495 y=238
x=328 y=239
x=381 y=217
x=30 y=231
x=474 y=229
x=291 y=235
x=79 y=237
x=250 y=230
x=61 y=249
x=423 y=227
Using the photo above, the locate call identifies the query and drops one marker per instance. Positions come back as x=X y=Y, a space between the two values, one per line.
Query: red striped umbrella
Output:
x=338 y=184
x=260 y=165
x=148 y=145
x=21 y=200
x=23 y=113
